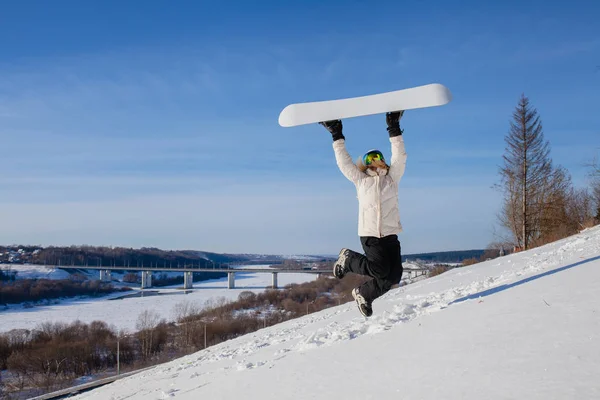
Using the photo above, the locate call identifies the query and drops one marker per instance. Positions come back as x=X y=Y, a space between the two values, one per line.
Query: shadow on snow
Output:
x=522 y=281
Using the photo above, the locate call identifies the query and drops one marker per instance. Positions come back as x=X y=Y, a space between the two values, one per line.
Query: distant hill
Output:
x=444 y=256
x=149 y=256
x=121 y=256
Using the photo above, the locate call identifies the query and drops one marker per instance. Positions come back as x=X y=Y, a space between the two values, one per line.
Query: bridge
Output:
x=188 y=278
x=106 y=273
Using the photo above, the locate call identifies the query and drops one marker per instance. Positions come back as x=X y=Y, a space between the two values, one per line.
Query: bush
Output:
x=5 y=350
x=438 y=269
x=247 y=296
x=165 y=280
x=470 y=261
x=292 y=306
x=6 y=276
x=35 y=290
x=131 y=278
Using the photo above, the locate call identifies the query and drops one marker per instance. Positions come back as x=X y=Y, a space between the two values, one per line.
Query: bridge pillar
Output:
x=146 y=279
x=274 y=284
x=231 y=280
x=105 y=275
x=188 y=280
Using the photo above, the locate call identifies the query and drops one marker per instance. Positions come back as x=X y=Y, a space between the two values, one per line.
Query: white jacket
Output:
x=378 y=213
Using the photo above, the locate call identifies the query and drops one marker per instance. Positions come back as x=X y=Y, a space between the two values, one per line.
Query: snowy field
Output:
x=36 y=271
x=524 y=326
x=123 y=313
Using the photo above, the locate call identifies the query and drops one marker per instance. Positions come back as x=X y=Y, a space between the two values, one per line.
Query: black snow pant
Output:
x=382 y=261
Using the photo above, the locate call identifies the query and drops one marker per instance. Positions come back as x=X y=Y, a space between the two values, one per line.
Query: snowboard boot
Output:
x=340 y=268
x=363 y=305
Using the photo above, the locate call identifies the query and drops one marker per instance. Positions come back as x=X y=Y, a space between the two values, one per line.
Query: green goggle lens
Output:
x=372 y=156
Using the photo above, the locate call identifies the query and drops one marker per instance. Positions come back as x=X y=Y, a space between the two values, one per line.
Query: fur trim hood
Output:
x=363 y=168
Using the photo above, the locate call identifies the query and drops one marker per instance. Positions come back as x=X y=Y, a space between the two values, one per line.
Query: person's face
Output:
x=377 y=164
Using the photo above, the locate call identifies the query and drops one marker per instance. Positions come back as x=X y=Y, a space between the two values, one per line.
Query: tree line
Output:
x=540 y=203
x=119 y=256
x=37 y=290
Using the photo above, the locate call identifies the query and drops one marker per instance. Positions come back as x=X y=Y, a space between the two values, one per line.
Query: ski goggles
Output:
x=374 y=155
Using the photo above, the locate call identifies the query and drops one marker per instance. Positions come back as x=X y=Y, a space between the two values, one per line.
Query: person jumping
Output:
x=379 y=217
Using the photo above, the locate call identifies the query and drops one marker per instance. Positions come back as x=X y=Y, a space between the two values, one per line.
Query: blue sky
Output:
x=155 y=123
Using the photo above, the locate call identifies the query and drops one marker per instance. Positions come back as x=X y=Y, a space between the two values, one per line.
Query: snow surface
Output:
x=32 y=271
x=524 y=326
x=127 y=310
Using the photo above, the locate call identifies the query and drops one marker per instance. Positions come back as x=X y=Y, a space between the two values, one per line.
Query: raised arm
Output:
x=343 y=159
x=398 y=162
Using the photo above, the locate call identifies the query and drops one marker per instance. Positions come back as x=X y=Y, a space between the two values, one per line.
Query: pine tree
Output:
x=524 y=174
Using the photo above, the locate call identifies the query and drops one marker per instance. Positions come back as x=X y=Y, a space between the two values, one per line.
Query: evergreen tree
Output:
x=524 y=174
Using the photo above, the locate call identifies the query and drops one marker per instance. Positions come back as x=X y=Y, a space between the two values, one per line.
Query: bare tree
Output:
x=183 y=312
x=580 y=209
x=595 y=188
x=19 y=365
x=524 y=173
x=596 y=197
x=146 y=324
x=185 y=309
x=551 y=219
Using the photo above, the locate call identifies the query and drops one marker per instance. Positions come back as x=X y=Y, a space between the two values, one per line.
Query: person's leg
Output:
x=384 y=265
x=351 y=261
x=382 y=261
x=395 y=257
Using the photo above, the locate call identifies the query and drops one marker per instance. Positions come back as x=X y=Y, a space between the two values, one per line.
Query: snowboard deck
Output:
x=430 y=95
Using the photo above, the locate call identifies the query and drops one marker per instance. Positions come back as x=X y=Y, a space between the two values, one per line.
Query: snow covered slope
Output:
x=525 y=326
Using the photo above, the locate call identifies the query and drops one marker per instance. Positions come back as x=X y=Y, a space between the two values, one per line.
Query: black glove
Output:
x=335 y=128
x=393 y=122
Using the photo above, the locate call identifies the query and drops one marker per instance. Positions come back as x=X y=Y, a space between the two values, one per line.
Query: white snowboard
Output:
x=430 y=95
